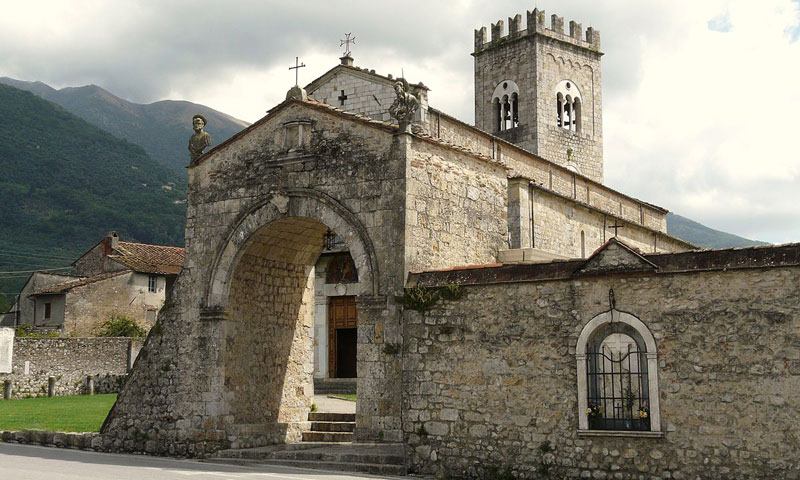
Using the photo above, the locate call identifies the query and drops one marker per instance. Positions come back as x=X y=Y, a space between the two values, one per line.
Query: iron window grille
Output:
x=618 y=389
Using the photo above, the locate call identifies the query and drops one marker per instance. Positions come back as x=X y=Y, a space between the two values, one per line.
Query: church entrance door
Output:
x=342 y=327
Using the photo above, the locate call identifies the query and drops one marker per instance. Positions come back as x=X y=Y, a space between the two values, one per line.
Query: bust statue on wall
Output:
x=199 y=139
x=405 y=105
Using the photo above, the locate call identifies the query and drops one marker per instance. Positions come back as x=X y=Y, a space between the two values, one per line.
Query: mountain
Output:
x=162 y=128
x=703 y=236
x=64 y=183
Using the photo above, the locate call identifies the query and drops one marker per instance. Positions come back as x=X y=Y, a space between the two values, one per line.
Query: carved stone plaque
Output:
x=6 y=349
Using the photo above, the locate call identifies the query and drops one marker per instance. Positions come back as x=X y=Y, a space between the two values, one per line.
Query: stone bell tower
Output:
x=540 y=88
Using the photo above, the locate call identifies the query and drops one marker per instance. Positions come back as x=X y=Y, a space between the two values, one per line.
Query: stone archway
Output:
x=293 y=203
x=263 y=282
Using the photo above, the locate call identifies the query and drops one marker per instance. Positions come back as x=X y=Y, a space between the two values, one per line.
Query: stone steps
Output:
x=382 y=459
x=324 y=386
x=330 y=427
x=335 y=437
x=331 y=417
x=371 y=468
x=333 y=426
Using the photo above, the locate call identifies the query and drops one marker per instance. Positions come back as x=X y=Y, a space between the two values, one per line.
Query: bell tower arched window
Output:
x=617 y=365
x=505 y=106
x=568 y=106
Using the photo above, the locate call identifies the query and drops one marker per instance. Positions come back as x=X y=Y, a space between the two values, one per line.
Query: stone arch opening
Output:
x=505 y=106
x=568 y=106
x=295 y=203
x=263 y=281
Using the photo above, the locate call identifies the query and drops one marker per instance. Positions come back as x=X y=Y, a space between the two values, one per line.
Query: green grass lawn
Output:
x=58 y=414
x=343 y=396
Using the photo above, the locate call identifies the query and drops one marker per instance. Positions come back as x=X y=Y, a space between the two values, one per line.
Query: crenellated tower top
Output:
x=540 y=88
x=536 y=25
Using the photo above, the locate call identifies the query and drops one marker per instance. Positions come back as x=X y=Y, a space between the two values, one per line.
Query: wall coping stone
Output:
x=769 y=256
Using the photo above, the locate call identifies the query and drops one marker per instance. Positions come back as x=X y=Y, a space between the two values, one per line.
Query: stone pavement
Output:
x=40 y=463
x=333 y=405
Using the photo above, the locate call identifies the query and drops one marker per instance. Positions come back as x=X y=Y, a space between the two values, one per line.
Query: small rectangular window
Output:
x=47 y=310
x=151 y=283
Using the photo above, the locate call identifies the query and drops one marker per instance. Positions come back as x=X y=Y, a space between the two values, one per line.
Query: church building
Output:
x=500 y=307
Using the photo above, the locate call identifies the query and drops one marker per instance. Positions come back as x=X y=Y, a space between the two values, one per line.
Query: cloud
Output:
x=721 y=23
x=711 y=119
x=699 y=97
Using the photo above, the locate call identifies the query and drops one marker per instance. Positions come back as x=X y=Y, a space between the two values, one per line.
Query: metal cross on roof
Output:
x=296 y=68
x=346 y=42
x=616 y=227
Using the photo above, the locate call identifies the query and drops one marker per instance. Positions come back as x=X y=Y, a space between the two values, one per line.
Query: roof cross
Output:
x=616 y=227
x=346 y=42
x=296 y=68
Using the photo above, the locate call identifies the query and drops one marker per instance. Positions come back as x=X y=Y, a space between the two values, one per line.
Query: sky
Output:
x=700 y=97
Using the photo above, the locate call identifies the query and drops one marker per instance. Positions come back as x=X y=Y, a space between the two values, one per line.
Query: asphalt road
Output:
x=26 y=462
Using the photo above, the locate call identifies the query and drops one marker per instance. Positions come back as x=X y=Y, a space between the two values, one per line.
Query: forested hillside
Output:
x=65 y=183
x=703 y=236
x=161 y=128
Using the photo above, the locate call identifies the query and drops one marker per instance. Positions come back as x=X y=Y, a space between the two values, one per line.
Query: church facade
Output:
x=504 y=307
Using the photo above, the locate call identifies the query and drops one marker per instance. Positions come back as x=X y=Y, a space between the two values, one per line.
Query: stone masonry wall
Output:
x=268 y=345
x=537 y=64
x=558 y=224
x=346 y=175
x=455 y=209
x=367 y=93
x=365 y=96
x=70 y=361
x=95 y=262
x=89 y=306
x=584 y=148
x=490 y=379
x=548 y=175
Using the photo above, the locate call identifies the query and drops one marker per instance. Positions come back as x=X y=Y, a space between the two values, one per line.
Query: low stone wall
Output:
x=80 y=441
x=490 y=379
x=69 y=361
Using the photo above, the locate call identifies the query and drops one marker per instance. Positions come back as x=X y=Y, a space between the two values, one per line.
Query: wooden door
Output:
x=341 y=315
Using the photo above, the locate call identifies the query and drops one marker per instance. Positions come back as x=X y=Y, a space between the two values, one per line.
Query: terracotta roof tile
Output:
x=145 y=258
x=66 y=286
x=768 y=256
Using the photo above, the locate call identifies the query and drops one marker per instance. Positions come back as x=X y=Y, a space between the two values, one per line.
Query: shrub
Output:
x=26 y=330
x=121 y=326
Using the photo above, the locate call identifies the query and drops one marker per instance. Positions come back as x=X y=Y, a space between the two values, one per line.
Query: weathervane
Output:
x=346 y=42
x=296 y=68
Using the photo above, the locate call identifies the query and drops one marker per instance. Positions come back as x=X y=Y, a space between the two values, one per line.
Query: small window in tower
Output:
x=583 y=244
x=505 y=106
x=559 y=109
x=506 y=113
x=566 y=119
x=568 y=106
x=496 y=114
x=47 y=310
x=151 y=283
x=515 y=110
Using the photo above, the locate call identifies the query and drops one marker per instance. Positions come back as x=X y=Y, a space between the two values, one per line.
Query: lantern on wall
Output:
x=328 y=240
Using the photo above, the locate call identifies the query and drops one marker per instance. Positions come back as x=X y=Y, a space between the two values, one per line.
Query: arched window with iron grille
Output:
x=617 y=375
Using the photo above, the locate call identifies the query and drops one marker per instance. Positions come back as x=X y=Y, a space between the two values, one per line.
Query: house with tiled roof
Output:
x=111 y=278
